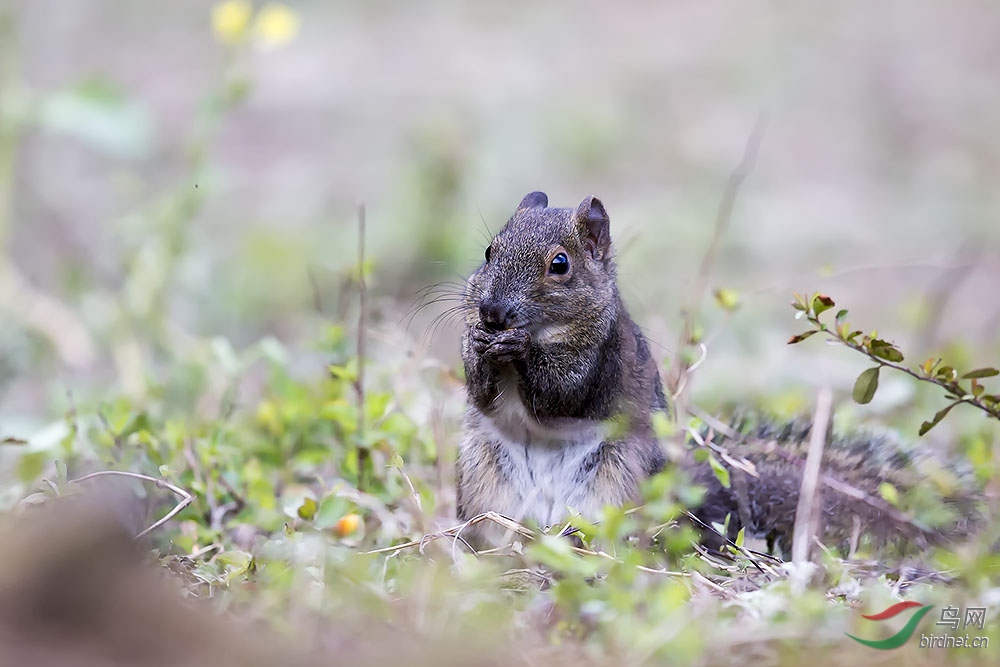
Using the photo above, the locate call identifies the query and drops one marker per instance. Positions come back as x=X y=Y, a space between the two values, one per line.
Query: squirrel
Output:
x=560 y=380
x=562 y=387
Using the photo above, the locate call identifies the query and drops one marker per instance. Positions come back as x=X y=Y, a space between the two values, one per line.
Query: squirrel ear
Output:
x=534 y=200
x=595 y=226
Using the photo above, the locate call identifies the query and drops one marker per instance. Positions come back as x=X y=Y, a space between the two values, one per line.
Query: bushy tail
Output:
x=877 y=493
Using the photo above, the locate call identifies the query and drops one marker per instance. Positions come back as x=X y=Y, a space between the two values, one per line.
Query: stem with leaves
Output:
x=959 y=388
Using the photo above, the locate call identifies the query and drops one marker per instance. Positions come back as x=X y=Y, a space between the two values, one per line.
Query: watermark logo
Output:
x=904 y=633
x=974 y=617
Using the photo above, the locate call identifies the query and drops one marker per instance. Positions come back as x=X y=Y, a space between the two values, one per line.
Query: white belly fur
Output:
x=543 y=463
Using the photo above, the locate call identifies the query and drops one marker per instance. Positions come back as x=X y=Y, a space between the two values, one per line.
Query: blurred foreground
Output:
x=76 y=592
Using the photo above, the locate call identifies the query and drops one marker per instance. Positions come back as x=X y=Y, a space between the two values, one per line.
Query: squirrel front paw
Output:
x=499 y=347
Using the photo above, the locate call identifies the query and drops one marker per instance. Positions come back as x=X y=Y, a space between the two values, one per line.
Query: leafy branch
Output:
x=959 y=388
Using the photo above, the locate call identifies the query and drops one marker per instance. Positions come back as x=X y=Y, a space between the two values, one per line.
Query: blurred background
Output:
x=185 y=176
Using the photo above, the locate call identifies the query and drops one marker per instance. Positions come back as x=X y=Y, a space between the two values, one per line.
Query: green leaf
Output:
x=728 y=300
x=239 y=560
x=341 y=413
x=30 y=467
x=307 y=510
x=557 y=554
x=62 y=474
x=331 y=509
x=801 y=337
x=840 y=323
x=272 y=350
x=721 y=472
x=102 y=117
x=236 y=91
x=946 y=374
x=981 y=373
x=928 y=425
x=225 y=354
x=259 y=490
x=376 y=404
x=821 y=303
x=865 y=386
x=884 y=350
x=348 y=372
x=889 y=493
x=663 y=427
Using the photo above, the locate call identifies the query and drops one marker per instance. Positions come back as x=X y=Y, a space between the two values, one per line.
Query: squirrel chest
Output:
x=541 y=471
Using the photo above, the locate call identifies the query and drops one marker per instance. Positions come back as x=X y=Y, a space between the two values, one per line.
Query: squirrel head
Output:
x=549 y=271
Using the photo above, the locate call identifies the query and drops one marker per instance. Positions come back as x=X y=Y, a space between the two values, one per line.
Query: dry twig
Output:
x=186 y=498
x=807 y=510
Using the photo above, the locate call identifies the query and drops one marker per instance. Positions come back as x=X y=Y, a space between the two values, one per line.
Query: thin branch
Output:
x=724 y=214
x=915 y=264
x=414 y=495
x=455 y=531
x=186 y=498
x=642 y=568
x=115 y=437
x=513 y=527
x=317 y=296
x=940 y=296
x=952 y=387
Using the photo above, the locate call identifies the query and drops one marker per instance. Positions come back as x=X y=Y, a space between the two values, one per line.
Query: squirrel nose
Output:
x=495 y=315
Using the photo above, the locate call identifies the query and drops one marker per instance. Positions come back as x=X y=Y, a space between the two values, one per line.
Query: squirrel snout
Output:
x=496 y=315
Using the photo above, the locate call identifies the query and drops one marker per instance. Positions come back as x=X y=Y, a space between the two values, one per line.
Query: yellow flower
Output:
x=275 y=25
x=231 y=20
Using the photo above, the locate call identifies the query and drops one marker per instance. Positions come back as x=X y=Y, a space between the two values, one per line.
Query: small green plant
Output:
x=959 y=387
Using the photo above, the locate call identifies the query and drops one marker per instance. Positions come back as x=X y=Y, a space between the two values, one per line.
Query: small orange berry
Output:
x=347 y=525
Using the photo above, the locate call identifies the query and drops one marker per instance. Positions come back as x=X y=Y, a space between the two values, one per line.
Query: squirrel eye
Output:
x=559 y=265
x=488 y=248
